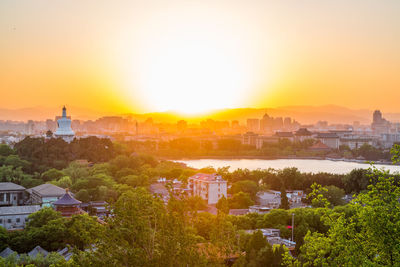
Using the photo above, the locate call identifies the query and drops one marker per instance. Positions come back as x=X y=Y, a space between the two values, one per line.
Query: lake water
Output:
x=304 y=165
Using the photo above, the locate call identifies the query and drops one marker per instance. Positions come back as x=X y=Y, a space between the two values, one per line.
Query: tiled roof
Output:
x=10 y=187
x=11 y=210
x=303 y=131
x=284 y=134
x=319 y=146
x=47 y=190
x=6 y=252
x=38 y=249
x=67 y=200
x=327 y=135
x=207 y=177
x=238 y=211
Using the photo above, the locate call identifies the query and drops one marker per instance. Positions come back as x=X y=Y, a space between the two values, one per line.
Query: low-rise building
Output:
x=249 y=138
x=45 y=194
x=11 y=194
x=329 y=139
x=68 y=205
x=270 y=199
x=210 y=187
x=259 y=209
x=285 y=135
x=15 y=217
x=303 y=134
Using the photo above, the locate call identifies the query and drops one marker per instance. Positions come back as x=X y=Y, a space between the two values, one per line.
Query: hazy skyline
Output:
x=196 y=56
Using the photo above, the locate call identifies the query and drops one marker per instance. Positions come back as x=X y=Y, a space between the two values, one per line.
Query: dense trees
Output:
x=284 y=200
x=48 y=229
x=144 y=232
x=56 y=153
x=367 y=234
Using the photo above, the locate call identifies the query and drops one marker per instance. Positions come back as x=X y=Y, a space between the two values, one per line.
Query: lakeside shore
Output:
x=381 y=162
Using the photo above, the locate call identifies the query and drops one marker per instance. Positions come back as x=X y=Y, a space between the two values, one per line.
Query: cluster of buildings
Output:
x=382 y=134
x=256 y=132
x=17 y=203
x=211 y=188
x=269 y=125
x=273 y=236
x=66 y=253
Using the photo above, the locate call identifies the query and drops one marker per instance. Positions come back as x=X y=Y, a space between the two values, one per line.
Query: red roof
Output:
x=319 y=146
x=207 y=177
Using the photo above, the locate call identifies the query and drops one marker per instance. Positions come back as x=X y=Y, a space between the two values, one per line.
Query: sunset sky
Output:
x=194 y=56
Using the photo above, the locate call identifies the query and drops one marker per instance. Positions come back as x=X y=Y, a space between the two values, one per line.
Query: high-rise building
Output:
x=253 y=125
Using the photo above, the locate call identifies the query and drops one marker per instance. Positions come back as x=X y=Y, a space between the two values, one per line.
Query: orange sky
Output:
x=194 y=56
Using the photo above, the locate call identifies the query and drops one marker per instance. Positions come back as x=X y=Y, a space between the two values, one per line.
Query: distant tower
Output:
x=64 y=129
x=377 y=117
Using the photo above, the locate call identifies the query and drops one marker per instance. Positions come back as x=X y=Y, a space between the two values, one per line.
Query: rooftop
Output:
x=319 y=146
x=208 y=177
x=303 y=132
x=327 y=135
x=284 y=134
x=67 y=200
x=19 y=209
x=10 y=187
x=38 y=250
x=6 y=252
x=47 y=190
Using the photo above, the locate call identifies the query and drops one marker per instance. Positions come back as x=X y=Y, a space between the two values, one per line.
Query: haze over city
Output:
x=224 y=133
x=193 y=57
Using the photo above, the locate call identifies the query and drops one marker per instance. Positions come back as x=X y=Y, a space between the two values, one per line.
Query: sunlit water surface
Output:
x=304 y=165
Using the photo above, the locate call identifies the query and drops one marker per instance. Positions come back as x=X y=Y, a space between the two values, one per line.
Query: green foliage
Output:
x=5 y=150
x=143 y=233
x=240 y=200
x=3 y=238
x=64 y=182
x=260 y=253
x=41 y=217
x=284 y=200
x=52 y=259
x=395 y=151
x=369 y=235
x=317 y=196
x=245 y=186
x=83 y=230
x=357 y=180
x=136 y=180
x=83 y=195
x=223 y=205
x=56 y=153
x=334 y=195
x=52 y=174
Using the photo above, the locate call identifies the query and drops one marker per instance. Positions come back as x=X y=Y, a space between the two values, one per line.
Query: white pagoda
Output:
x=64 y=129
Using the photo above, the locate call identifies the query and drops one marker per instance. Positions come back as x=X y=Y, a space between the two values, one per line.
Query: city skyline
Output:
x=195 y=57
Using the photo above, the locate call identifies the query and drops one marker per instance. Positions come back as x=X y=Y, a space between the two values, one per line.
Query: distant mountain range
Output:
x=303 y=114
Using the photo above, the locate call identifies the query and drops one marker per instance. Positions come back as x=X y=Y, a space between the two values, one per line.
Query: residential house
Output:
x=15 y=217
x=210 y=187
x=11 y=194
x=45 y=194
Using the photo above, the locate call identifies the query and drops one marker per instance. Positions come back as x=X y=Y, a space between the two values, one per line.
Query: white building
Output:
x=45 y=194
x=64 y=129
x=210 y=187
x=15 y=217
x=329 y=139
